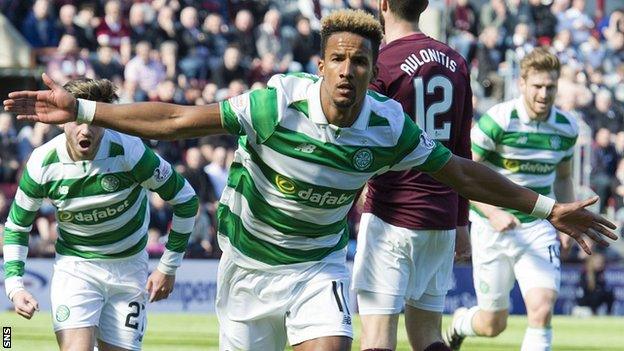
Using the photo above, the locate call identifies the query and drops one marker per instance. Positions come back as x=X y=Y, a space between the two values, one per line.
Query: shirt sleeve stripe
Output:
x=490 y=128
x=229 y=120
x=177 y=241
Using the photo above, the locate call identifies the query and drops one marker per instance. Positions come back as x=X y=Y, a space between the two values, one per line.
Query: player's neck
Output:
x=395 y=30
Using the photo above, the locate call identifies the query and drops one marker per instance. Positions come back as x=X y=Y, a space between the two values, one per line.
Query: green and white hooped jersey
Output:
x=102 y=205
x=295 y=176
x=525 y=151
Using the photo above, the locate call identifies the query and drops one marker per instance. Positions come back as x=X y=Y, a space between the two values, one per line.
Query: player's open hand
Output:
x=25 y=304
x=574 y=220
x=54 y=106
x=159 y=285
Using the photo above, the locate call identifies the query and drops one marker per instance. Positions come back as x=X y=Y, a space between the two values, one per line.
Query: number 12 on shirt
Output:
x=426 y=118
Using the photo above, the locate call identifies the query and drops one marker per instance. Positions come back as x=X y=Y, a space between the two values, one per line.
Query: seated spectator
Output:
x=494 y=14
x=307 y=46
x=39 y=28
x=606 y=113
x=522 y=41
x=67 y=13
x=166 y=29
x=112 y=30
x=577 y=21
x=160 y=214
x=273 y=38
x=9 y=163
x=202 y=239
x=603 y=164
x=193 y=50
x=106 y=66
x=216 y=31
x=230 y=69
x=615 y=52
x=218 y=169
x=462 y=28
x=595 y=291
x=67 y=64
x=169 y=57
x=143 y=73
x=592 y=53
x=565 y=51
x=489 y=58
x=140 y=30
x=199 y=180
x=86 y=20
x=264 y=70
x=242 y=34
x=544 y=22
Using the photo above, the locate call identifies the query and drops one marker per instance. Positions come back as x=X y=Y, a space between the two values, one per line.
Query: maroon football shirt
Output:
x=431 y=81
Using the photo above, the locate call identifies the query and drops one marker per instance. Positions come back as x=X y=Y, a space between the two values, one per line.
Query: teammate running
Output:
x=404 y=257
x=531 y=142
x=307 y=145
x=97 y=180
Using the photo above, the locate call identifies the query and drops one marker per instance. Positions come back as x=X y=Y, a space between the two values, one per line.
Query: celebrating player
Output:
x=307 y=145
x=531 y=142
x=97 y=180
x=404 y=257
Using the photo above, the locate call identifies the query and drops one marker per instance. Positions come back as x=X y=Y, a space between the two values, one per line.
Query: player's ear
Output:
x=375 y=72
x=321 y=67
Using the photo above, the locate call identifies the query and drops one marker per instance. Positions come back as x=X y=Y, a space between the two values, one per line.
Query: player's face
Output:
x=539 y=90
x=83 y=140
x=347 y=69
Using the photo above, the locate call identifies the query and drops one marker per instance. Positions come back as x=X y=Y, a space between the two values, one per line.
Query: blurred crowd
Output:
x=197 y=52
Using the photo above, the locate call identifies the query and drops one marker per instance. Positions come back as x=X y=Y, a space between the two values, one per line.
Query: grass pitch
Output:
x=186 y=332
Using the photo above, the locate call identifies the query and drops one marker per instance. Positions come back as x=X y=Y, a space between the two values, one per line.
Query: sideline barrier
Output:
x=196 y=288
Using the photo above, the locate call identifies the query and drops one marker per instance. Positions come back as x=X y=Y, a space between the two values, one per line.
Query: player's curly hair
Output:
x=540 y=59
x=102 y=90
x=352 y=21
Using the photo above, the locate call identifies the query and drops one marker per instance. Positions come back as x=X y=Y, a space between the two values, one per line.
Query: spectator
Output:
x=617 y=189
x=218 y=169
x=264 y=70
x=307 y=46
x=595 y=291
x=200 y=244
x=230 y=69
x=577 y=22
x=216 y=31
x=494 y=14
x=8 y=150
x=143 y=73
x=106 y=66
x=112 y=30
x=243 y=35
x=158 y=227
x=199 y=180
x=565 y=51
x=67 y=64
x=518 y=11
x=592 y=53
x=603 y=164
x=86 y=20
x=462 y=28
x=193 y=47
x=522 y=41
x=615 y=52
x=544 y=22
x=274 y=39
x=169 y=57
x=606 y=114
x=489 y=57
x=67 y=13
x=619 y=145
x=166 y=29
x=140 y=29
x=38 y=27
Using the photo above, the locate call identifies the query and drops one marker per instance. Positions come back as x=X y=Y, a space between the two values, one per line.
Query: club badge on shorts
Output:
x=62 y=313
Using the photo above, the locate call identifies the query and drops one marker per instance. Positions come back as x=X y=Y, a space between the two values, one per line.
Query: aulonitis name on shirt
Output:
x=95 y=215
x=415 y=60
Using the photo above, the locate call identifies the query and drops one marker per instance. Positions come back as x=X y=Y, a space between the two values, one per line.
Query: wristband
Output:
x=543 y=206
x=86 y=111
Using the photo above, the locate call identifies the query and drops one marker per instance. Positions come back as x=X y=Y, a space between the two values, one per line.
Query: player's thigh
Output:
x=75 y=295
x=76 y=339
x=432 y=270
x=124 y=317
x=539 y=265
x=327 y=343
x=493 y=268
x=382 y=263
x=321 y=309
x=267 y=333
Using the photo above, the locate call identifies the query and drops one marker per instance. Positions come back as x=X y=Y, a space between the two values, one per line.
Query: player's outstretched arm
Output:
x=479 y=183
x=153 y=120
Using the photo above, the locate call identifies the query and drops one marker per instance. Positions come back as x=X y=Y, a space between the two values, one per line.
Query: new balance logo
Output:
x=307 y=148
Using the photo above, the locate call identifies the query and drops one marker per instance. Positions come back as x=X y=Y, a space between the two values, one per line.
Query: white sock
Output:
x=463 y=324
x=537 y=339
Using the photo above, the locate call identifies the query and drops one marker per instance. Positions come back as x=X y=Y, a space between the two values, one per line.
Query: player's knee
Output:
x=540 y=316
